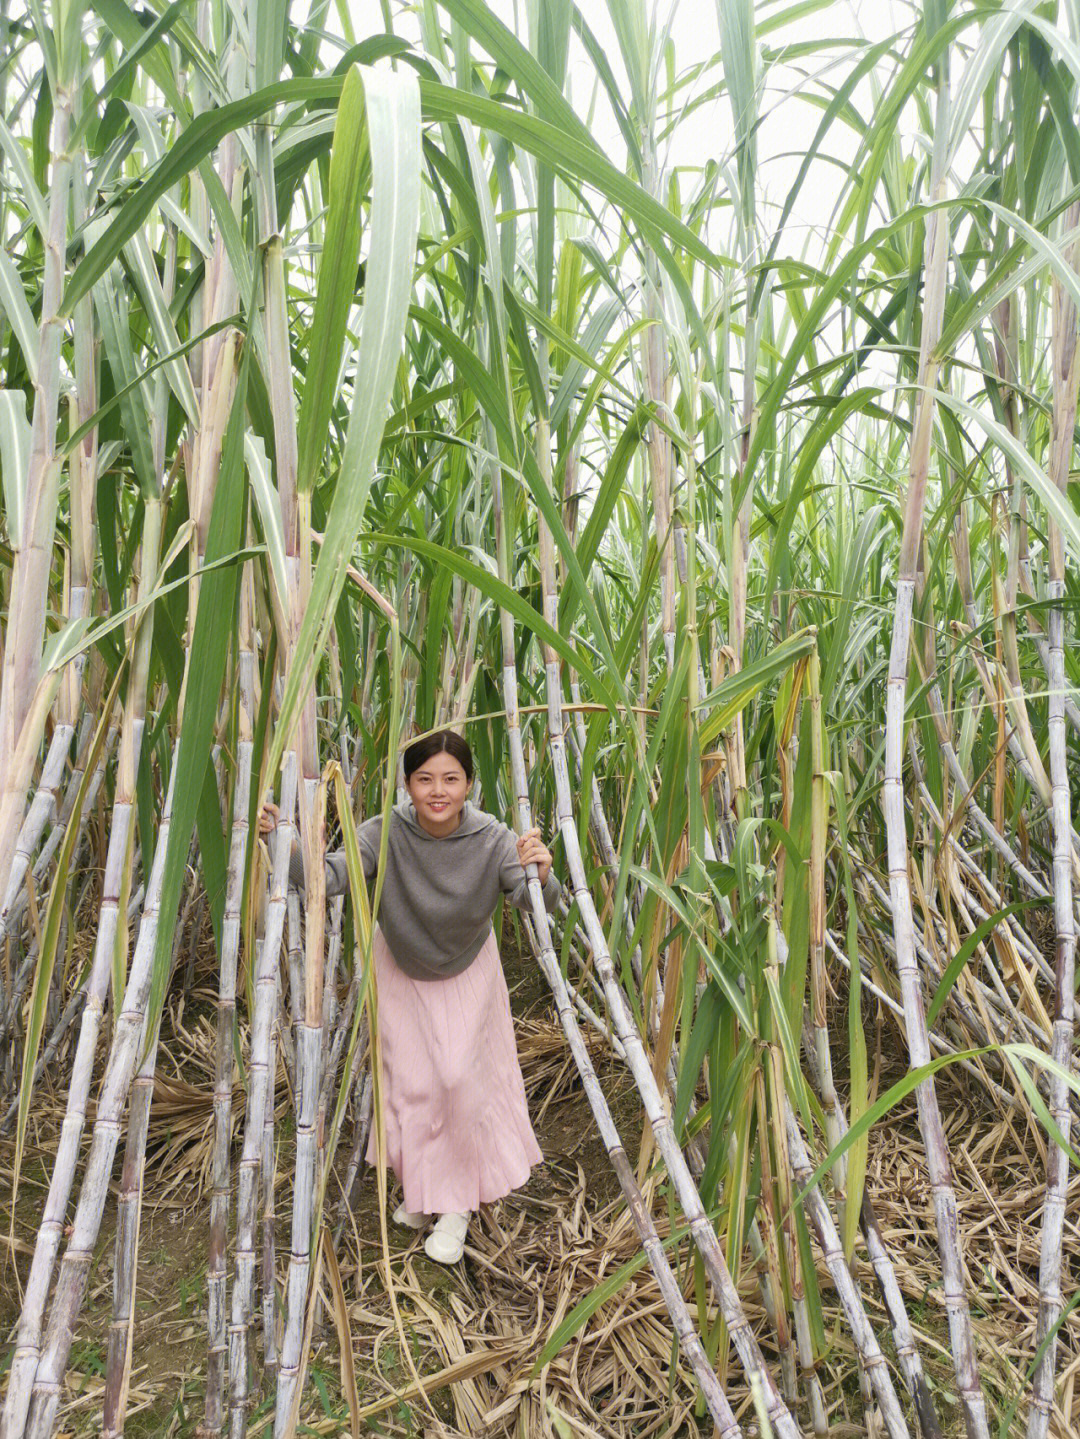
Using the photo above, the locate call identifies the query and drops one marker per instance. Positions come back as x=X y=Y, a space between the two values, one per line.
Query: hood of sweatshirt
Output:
x=472 y=820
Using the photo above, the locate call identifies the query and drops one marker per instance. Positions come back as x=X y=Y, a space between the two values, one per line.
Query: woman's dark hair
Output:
x=442 y=741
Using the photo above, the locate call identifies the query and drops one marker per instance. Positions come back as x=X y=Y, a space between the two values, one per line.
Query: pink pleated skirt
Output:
x=458 y=1133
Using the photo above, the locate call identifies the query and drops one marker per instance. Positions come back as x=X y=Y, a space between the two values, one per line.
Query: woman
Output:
x=457 y=1125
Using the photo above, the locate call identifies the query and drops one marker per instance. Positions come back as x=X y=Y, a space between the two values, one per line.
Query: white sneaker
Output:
x=446 y=1242
x=410 y=1218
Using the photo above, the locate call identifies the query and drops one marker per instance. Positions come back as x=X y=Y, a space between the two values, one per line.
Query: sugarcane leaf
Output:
x=14 y=461
x=607 y=497
x=1012 y=272
x=960 y=959
x=1038 y=1104
x=490 y=397
x=153 y=56
x=739 y=51
x=567 y=154
x=134 y=54
x=269 y=507
x=598 y=57
x=809 y=453
x=13 y=303
x=393 y=116
x=27 y=189
x=598 y=1296
x=204 y=674
x=631 y=25
x=575 y=160
x=112 y=310
x=346 y=1361
x=692 y=1055
x=89 y=425
x=736 y=691
x=892 y=1096
x=599 y=325
x=492 y=587
x=269 y=39
x=1057 y=505
x=336 y=285
x=80 y=635
x=213 y=854
x=143 y=273
x=559 y=1423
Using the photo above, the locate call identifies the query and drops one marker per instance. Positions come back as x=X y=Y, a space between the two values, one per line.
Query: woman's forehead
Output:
x=441 y=761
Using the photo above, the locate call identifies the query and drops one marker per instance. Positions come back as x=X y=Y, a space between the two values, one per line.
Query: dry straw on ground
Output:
x=476 y=1330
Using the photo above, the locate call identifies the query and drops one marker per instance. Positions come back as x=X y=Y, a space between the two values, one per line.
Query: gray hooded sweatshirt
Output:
x=439 y=893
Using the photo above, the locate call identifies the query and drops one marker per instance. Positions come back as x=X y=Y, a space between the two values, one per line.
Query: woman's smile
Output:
x=438 y=789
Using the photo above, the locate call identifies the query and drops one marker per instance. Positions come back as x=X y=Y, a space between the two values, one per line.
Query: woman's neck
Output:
x=441 y=831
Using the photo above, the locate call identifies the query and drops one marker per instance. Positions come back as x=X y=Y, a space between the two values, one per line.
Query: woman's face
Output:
x=438 y=789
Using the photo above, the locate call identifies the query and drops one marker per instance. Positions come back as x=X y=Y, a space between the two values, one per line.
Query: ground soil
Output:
x=473 y=1332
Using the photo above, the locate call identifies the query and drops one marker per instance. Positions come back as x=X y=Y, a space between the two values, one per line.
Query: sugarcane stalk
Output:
x=117 y=864
x=43 y=863
x=43 y=808
x=363 y=1092
x=930 y=1126
x=259 y=1085
x=701 y=1229
x=216 y=1266
x=715 y=1398
x=862 y=1333
x=20 y=682
x=903 y=1336
x=72 y=1010
x=771 y=1075
x=119 y=1072
x=1066 y=371
x=82 y=473
x=268 y=1178
x=655 y=375
x=294 y=960
x=308 y=1056
x=128 y=1216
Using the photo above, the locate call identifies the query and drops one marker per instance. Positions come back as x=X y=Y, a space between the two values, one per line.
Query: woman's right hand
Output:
x=268 y=817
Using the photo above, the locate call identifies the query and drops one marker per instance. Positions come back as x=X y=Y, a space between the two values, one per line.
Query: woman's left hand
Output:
x=532 y=850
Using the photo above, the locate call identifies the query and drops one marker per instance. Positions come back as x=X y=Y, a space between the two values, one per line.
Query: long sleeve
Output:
x=337 y=872
x=512 y=878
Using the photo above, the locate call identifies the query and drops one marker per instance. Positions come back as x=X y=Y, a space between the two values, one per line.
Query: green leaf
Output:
x=735 y=692
x=967 y=949
x=205 y=672
x=336 y=286
x=14 y=460
x=13 y=304
x=393 y=112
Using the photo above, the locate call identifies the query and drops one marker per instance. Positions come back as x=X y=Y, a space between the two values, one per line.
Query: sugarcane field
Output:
x=539 y=719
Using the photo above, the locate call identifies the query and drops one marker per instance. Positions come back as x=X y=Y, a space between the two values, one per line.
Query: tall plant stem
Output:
x=663 y=1132
x=1066 y=370
x=715 y=1398
x=119 y=1072
x=224 y=1054
x=19 y=677
x=115 y=880
x=259 y=1095
x=930 y=1125
x=903 y=1336
x=128 y=1219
